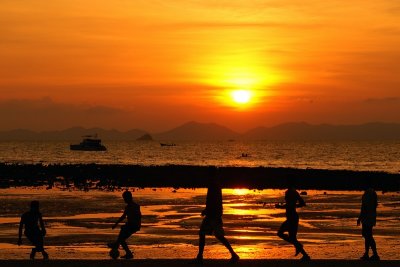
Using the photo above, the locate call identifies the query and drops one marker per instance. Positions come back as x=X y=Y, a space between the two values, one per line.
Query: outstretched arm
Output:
x=360 y=217
x=204 y=212
x=21 y=225
x=42 y=225
x=300 y=202
x=123 y=216
x=280 y=205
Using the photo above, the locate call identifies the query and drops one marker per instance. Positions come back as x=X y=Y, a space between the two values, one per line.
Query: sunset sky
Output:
x=157 y=64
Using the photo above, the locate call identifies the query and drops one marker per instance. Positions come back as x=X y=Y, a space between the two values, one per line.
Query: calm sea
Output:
x=382 y=156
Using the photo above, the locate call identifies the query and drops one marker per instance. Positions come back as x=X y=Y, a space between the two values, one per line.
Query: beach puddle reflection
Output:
x=79 y=223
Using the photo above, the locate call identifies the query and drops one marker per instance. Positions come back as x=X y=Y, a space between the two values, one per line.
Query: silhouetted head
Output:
x=212 y=171
x=368 y=188
x=35 y=206
x=212 y=177
x=127 y=196
x=367 y=184
x=290 y=183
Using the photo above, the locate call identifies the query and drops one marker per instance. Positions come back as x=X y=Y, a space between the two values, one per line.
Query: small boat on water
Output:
x=167 y=144
x=89 y=143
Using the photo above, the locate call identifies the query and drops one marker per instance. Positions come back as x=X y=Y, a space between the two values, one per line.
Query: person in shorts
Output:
x=34 y=230
x=212 y=222
x=133 y=215
x=293 y=200
x=367 y=218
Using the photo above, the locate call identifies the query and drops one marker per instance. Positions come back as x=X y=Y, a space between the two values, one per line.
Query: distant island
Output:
x=145 y=137
x=195 y=131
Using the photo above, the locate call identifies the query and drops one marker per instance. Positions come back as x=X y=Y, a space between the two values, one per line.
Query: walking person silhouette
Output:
x=293 y=200
x=212 y=222
x=133 y=224
x=34 y=230
x=367 y=218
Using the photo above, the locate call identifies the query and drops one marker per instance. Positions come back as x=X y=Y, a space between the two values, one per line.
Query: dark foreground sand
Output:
x=210 y=263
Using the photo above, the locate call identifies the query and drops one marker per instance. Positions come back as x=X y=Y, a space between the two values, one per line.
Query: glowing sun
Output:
x=241 y=96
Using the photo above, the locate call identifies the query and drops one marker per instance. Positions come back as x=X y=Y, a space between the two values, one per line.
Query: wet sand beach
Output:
x=79 y=223
x=210 y=263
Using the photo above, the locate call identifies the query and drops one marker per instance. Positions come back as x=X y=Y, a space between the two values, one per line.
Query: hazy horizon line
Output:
x=201 y=123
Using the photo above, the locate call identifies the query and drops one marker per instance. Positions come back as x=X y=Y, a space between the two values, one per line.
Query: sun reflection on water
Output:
x=240 y=191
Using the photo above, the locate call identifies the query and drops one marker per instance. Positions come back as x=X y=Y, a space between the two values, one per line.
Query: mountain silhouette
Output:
x=199 y=132
x=305 y=131
x=195 y=131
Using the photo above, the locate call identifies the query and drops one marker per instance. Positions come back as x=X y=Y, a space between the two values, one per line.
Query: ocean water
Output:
x=375 y=156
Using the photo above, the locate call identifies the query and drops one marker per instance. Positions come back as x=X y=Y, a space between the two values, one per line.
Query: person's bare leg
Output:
x=375 y=256
x=297 y=245
x=33 y=253
x=373 y=246
x=128 y=252
x=45 y=255
x=225 y=242
x=366 y=245
x=282 y=230
x=202 y=243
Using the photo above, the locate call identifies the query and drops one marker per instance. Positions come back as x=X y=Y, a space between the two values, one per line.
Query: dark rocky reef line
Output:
x=102 y=176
